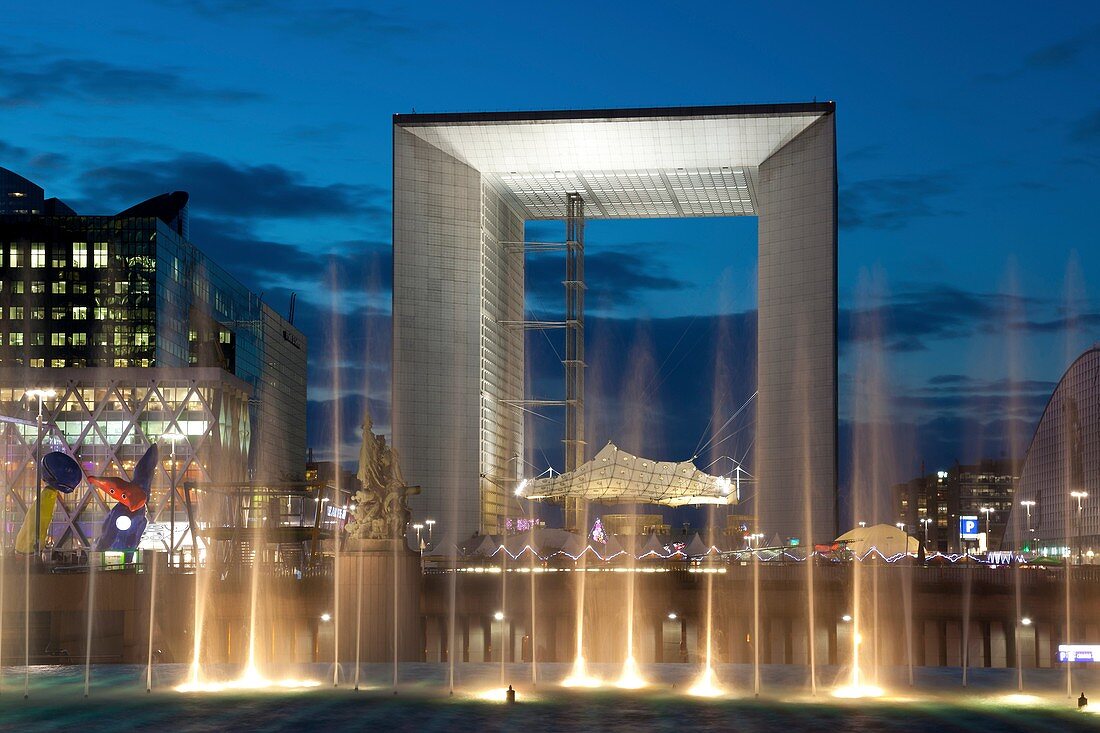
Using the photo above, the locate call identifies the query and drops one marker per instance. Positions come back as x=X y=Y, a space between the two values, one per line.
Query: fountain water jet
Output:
x=88 y=628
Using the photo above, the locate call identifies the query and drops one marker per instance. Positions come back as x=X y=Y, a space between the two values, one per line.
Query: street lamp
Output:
x=418 y=527
x=173 y=437
x=41 y=395
x=900 y=525
x=862 y=524
x=429 y=523
x=1027 y=504
x=986 y=511
x=1078 y=495
x=926 y=521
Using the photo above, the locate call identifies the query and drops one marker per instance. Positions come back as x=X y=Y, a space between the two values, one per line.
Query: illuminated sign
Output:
x=1078 y=652
x=336 y=512
x=968 y=528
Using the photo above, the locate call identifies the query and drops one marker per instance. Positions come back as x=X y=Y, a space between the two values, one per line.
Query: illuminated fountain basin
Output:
x=119 y=701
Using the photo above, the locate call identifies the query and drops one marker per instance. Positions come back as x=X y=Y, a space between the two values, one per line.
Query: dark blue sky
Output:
x=969 y=154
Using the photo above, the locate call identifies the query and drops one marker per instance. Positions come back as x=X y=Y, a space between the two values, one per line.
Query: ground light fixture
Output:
x=499 y=615
x=326 y=617
x=672 y=616
x=846 y=618
x=1025 y=621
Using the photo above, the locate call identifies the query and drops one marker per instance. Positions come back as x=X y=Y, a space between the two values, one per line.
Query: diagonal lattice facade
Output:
x=106 y=419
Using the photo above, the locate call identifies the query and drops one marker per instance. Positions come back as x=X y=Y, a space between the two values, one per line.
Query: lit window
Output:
x=80 y=339
x=38 y=314
x=37 y=286
x=38 y=339
x=122 y=362
x=58 y=260
x=80 y=312
x=57 y=363
x=80 y=288
x=38 y=255
x=121 y=287
x=39 y=363
x=15 y=312
x=15 y=339
x=58 y=312
x=141 y=339
x=99 y=313
x=99 y=255
x=58 y=288
x=120 y=339
x=16 y=257
x=80 y=254
x=18 y=287
x=57 y=339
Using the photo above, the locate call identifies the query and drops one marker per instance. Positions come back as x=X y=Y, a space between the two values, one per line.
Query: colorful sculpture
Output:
x=125 y=522
x=60 y=473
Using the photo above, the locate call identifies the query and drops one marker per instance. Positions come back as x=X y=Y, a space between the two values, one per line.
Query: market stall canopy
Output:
x=615 y=476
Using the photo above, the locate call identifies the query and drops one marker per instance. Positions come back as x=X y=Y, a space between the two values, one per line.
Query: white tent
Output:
x=696 y=548
x=886 y=538
x=615 y=476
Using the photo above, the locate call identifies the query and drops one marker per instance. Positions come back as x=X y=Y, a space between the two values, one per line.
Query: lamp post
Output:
x=900 y=525
x=429 y=523
x=173 y=437
x=418 y=527
x=41 y=395
x=1078 y=495
x=926 y=521
x=987 y=511
x=1027 y=503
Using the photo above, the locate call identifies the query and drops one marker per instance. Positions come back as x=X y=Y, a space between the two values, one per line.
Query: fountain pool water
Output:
x=478 y=705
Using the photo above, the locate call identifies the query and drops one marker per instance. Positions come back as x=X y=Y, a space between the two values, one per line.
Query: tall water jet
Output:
x=1074 y=295
x=967 y=587
x=152 y=610
x=358 y=617
x=337 y=492
x=88 y=627
x=578 y=675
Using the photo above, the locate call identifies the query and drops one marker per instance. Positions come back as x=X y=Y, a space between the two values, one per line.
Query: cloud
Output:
x=345 y=266
x=1086 y=129
x=353 y=23
x=907 y=320
x=615 y=278
x=1052 y=57
x=892 y=202
x=232 y=190
x=37 y=78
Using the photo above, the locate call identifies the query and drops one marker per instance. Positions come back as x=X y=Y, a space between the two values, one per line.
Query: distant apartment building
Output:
x=931 y=506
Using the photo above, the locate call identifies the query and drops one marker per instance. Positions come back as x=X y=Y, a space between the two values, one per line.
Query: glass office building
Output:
x=139 y=332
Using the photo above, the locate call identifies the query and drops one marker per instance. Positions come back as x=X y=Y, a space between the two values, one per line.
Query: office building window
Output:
x=37 y=287
x=58 y=312
x=38 y=363
x=58 y=260
x=80 y=254
x=18 y=287
x=58 y=288
x=99 y=313
x=57 y=363
x=80 y=312
x=15 y=312
x=99 y=255
x=15 y=339
x=38 y=313
x=38 y=255
x=15 y=257
x=80 y=339
x=57 y=339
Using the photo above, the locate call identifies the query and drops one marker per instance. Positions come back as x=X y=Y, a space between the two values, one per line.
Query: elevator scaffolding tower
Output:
x=573 y=363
